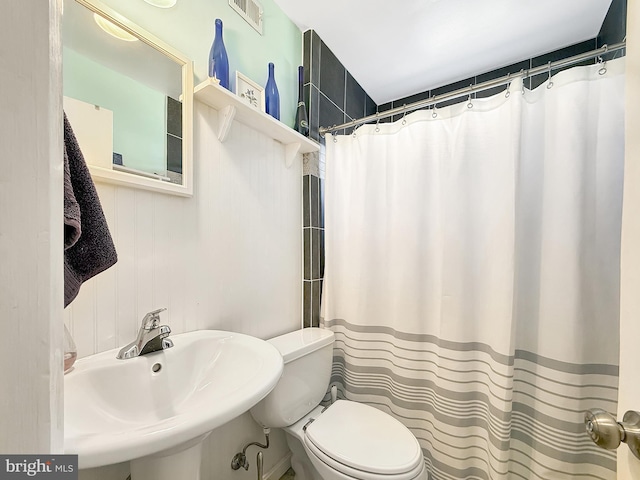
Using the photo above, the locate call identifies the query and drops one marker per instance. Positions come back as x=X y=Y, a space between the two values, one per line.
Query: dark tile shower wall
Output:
x=614 y=27
x=331 y=92
x=313 y=239
x=333 y=97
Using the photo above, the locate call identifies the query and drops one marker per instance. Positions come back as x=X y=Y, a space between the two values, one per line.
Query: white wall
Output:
x=629 y=391
x=228 y=258
x=31 y=247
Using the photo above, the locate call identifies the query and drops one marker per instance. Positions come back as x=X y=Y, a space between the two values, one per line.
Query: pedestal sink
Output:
x=155 y=410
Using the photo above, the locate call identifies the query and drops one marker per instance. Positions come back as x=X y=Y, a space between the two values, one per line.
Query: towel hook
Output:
x=549 y=82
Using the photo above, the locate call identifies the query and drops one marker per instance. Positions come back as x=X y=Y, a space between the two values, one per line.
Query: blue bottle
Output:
x=272 y=97
x=218 y=60
x=301 y=124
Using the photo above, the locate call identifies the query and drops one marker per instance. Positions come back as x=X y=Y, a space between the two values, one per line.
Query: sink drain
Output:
x=156 y=368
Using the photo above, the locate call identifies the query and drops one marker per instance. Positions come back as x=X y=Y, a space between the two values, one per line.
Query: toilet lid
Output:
x=365 y=438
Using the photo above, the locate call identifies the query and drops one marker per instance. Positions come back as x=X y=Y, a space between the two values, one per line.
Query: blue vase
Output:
x=218 y=60
x=272 y=97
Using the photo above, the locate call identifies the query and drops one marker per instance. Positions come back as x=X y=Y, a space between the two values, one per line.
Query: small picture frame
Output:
x=249 y=91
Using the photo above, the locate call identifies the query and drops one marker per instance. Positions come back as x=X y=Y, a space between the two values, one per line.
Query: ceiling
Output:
x=401 y=47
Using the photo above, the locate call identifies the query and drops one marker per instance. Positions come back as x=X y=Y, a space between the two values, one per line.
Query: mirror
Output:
x=129 y=99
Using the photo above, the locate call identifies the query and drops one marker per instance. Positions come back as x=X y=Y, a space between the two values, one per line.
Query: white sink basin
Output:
x=120 y=410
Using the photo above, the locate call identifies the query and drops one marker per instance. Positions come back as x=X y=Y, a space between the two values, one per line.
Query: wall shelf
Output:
x=231 y=107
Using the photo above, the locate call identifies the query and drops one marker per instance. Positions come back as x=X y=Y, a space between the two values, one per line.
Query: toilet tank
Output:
x=307 y=355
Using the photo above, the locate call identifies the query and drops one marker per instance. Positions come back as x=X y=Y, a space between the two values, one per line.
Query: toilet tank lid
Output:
x=295 y=344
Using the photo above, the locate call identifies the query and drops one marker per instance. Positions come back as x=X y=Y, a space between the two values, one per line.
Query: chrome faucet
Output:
x=151 y=337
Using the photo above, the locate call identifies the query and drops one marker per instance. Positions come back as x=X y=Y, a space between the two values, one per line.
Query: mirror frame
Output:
x=106 y=175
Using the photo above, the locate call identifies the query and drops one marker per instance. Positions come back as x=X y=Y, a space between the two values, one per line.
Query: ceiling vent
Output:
x=250 y=10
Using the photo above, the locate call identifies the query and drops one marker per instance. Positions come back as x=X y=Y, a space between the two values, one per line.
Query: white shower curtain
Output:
x=472 y=275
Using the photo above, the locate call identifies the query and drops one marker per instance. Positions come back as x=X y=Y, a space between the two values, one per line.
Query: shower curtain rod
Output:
x=497 y=82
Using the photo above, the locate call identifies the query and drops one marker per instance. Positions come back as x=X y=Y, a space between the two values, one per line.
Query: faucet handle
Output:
x=152 y=319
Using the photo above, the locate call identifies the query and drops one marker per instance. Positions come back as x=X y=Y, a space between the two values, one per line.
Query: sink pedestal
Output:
x=181 y=462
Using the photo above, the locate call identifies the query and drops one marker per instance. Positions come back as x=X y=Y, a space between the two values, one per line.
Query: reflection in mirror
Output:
x=129 y=98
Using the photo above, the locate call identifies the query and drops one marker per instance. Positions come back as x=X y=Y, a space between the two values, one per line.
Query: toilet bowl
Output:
x=346 y=440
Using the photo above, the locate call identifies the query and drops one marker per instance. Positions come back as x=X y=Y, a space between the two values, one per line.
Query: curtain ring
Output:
x=470 y=103
x=435 y=111
x=334 y=136
x=549 y=82
x=378 y=125
x=602 y=63
x=508 y=93
x=404 y=120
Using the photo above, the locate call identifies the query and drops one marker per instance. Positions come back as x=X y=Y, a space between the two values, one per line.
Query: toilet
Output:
x=347 y=440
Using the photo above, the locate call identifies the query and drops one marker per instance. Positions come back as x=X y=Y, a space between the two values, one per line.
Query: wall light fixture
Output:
x=113 y=29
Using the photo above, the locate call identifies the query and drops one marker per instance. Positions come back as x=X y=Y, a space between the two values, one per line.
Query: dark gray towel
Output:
x=88 y=247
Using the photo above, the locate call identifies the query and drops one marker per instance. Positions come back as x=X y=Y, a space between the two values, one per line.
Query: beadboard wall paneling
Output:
x=229 y=258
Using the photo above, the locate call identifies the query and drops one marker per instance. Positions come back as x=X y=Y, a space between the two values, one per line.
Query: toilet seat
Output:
x=355 y=474
x=363 y=442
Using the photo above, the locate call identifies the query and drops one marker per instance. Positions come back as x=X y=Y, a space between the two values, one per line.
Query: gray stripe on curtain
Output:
x=581 y=369
x=422 y=338
x=543 y=431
